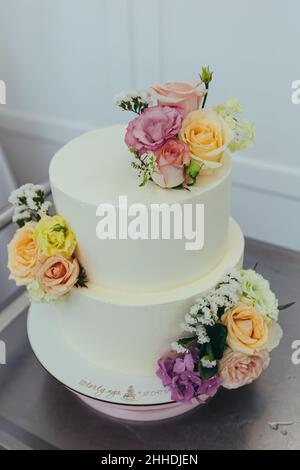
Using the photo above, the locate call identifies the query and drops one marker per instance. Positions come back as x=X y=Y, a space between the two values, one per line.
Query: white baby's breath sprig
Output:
x=177 y=347
x=133 y=100
x=202 y=336
x=207 y=363
x=24 y=191
x=208 y=308
x=37 y=294
x=29 y=203
x=145 y=165
x=22 y=216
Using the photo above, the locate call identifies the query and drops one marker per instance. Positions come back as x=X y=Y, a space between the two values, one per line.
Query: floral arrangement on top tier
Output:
x=230 y=332
x=41 y=254
x=173 y=139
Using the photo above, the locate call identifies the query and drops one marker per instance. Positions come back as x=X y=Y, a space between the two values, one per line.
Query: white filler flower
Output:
x=206 y=362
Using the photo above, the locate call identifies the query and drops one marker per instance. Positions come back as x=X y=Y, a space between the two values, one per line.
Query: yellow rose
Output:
x=54 y=237
x=207 y=136
x=247 y=329
x=23 y=255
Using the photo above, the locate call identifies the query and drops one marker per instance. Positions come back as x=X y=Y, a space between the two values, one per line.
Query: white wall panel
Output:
x=145 y=32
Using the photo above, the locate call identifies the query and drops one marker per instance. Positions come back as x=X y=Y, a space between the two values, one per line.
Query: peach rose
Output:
x=247 y=329
x=23 y=255
x=57 y=275
x=171 y=160
x=238 y=369
x=187 y=96
x=207 y=135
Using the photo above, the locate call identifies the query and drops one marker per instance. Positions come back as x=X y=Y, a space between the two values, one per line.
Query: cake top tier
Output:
x=95 y=168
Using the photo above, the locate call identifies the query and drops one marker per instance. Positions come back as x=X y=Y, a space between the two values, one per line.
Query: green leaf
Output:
x=217 y=334
x=221 y=311
x=284 y=307
x=181 y=186
x=23 y=201
x=206 y=350
x=186 y=341
x=194 y=169
x=209 y=352
x=22 y=222
x=82 y=278
x=205 y=372
x=144 y=179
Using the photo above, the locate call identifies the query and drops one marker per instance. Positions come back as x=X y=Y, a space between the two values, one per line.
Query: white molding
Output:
x=13 y=310
x=42 y=128
x=253 y=174
x=269 y=178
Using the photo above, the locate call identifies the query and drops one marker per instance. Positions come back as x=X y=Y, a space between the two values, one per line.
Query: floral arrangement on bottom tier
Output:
x=41 y=254
x=232 y=330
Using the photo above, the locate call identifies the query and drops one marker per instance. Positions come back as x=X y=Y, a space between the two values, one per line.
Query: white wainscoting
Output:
x=62 y=62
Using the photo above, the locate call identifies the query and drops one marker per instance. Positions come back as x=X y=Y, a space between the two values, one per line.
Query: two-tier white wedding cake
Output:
x=139 y=281
x=138 y=289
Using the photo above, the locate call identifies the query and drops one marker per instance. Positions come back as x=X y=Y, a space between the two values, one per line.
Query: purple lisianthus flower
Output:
x=178 y=373
x=153 y=127
x=209 y=388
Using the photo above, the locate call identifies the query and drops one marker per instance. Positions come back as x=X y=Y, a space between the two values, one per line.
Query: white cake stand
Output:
x=115 y=394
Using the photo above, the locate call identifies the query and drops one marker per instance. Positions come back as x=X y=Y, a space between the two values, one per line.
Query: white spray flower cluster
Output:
x=134 y=100
x=37 y=294
x=206 y=311
x=244 y=132
x=207 y=363
x=29 y=203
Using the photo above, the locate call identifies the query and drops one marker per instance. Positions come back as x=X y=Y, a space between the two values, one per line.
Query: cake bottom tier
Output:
x=129 y=333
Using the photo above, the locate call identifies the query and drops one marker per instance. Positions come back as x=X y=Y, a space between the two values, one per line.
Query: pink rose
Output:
x=57 y=275
x=171 y=160
x=151 y=129
x=188 y=96
x=238 y=369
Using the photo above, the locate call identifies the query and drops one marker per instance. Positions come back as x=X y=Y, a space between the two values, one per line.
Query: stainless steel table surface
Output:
x=36 y=412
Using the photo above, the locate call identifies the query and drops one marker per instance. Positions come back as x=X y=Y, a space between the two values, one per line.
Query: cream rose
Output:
x=238 y=369
x=207 y=135
x=247 y=329
x=23 y=255
x=187 y=96
x=57 y=275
